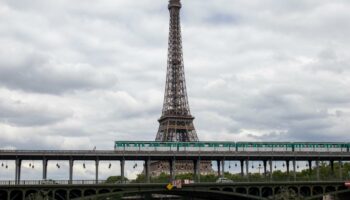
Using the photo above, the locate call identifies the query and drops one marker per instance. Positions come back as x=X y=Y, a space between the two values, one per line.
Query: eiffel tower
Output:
x=176 y=122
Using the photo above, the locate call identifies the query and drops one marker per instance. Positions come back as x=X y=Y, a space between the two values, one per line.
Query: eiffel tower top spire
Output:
x=175 y=98
x=174 y=3
x=176 y=122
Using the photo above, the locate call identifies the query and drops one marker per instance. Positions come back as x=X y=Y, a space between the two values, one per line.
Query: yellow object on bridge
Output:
x=170 y=186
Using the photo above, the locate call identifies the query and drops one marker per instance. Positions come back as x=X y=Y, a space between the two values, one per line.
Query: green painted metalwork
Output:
x=252 y=190
x=232 y=146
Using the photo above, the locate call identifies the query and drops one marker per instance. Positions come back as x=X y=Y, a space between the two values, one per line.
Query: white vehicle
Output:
x=224 y=180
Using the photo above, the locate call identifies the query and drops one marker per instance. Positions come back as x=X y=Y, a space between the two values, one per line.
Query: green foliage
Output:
x=116 y=179
x=235 y=177
x=139 y=179
x=277 y=175
x=208 y=178
x=162 y=178
x=188 y=176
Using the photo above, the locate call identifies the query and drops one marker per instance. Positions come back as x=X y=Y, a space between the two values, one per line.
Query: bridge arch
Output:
x=255 y=191
x=294 y=189
x=277 y=190
x=104 y=191
x=3 y=194
x=342 y=187
x=305 y=191
x=330 y=189
x=60 y=194
x=75 y=193
x=30 y=193
x=227 y=189
x=203 y=194
x=266 y=192
x=118 y=190
x=241 y=190
x=17 y=194
x=89 y=192
x=317 y=190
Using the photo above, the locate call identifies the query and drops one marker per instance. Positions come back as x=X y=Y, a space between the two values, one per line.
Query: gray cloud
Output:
x=76 y=75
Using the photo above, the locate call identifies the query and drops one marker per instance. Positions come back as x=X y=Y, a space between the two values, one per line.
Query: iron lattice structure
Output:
x=176 y=122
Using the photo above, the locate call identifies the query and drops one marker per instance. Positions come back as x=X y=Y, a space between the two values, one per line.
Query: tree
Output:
x=278 y=175
x=116 y=179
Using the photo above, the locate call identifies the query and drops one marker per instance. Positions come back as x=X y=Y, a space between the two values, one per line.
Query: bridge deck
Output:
x=166 y=155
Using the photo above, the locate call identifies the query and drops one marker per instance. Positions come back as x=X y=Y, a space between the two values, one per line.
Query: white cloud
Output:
x=83 y=74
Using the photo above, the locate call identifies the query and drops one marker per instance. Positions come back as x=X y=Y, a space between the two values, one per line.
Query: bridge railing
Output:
x=52 y=182
x=299 y=179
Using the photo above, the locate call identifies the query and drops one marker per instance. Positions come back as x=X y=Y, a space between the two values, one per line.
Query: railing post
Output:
x=44 y=169
x=71 y=164
x=122 y=167
x=97 y=162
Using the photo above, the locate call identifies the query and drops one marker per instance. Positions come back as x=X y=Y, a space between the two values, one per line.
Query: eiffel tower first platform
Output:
x=176 y=122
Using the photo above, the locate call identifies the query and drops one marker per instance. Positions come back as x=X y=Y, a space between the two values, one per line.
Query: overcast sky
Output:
x=79 y=74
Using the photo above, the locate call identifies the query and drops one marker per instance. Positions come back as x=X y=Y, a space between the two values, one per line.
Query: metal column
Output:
x=18 y=170
x=122 y=168
x=294 y=170
x=270 y=163
x=223 y=168
x=197 y=173
x=242 y=167
x=219 y=168
x=310 y=166
x=44 y=169
x=97 y=162
x=318 y=170
x=172 y=169
x=195 y=170
x=340 y=169
x=331 y=163
x=287 y=166
x=71 y=164
x=147 y=170
x=247 y=168
x=265 y=166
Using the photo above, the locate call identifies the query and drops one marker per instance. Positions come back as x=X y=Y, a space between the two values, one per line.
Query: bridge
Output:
x=172 y=157
x=73 y=189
